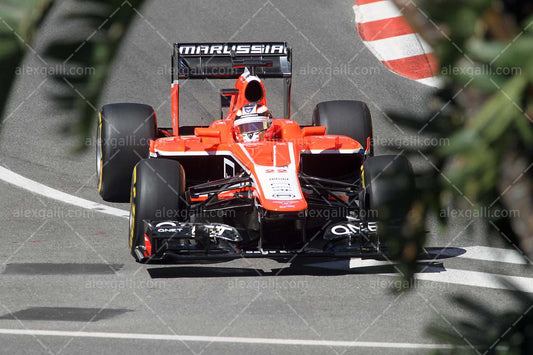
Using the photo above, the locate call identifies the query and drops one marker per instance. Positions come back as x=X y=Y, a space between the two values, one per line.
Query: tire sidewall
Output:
x=157 y=193
x=124 y=132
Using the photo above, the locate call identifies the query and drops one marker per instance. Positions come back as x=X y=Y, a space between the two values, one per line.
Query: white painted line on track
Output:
x=398 y=47
x=355 y=263
x=483 y=253
x=466 y=277
x=432 y=81
x=501 y=255
x=347 y=264
x=478 y=279
x=37 y=188
x=376 y=11
x=219 y=339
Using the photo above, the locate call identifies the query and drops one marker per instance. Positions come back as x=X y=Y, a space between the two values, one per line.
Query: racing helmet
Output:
x=251 y=122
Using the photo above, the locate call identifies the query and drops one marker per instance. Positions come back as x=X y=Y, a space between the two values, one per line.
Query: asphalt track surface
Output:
x=67 y=270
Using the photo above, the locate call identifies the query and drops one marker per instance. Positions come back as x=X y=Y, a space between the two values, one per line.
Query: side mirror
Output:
x=225 y=99
x=313 y=131
x=206 y=132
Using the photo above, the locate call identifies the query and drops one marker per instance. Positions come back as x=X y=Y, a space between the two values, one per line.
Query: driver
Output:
x=251 y=123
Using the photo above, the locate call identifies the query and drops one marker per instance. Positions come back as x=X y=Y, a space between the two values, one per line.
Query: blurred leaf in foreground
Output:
x=488 y=331
x=485 y=109
x=483 y=114
x=19 y=20
x=103 y=25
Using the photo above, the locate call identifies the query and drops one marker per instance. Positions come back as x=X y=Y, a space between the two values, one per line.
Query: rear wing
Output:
x=228 y=61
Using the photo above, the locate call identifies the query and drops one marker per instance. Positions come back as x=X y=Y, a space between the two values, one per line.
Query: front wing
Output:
x=166 y=239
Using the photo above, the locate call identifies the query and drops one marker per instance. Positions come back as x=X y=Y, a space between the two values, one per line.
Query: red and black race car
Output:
x=251 y=184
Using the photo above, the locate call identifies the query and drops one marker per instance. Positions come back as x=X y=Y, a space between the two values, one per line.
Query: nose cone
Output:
x=274 y=167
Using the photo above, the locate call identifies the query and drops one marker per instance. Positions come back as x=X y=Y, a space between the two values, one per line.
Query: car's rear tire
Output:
x=123 y=136
x=346 y=118
x=388 y=192
x=157 y=192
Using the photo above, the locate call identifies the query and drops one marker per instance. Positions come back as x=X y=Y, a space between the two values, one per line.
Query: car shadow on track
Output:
x=429 y=263
x=299 y=270
x=437 y=253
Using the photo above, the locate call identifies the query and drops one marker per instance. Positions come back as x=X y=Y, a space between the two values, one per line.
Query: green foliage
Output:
x=486 y=57
x=485 y=48
x=18 y=22
x=481 y=144
x=484 y=107
x=90 y=54
x=93 y=52
x=488 y=331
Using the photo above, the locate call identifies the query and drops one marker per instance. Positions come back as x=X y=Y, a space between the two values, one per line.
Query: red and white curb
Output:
x=391 y=39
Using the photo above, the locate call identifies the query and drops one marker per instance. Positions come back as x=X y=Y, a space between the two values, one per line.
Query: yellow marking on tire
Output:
x=132 y=208
x=132 y=224
x=101 y=151
x=363 y=175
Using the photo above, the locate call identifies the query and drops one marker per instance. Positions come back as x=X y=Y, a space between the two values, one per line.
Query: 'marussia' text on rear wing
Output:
x=228 y=60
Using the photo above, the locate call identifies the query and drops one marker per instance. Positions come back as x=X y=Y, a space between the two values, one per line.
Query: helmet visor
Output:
x=252 y=124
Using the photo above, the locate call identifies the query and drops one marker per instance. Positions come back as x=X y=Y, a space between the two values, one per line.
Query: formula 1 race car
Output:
x=249 y=184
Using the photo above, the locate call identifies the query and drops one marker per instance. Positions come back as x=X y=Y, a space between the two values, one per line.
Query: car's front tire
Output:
x=387 y=195
x=157 y=193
